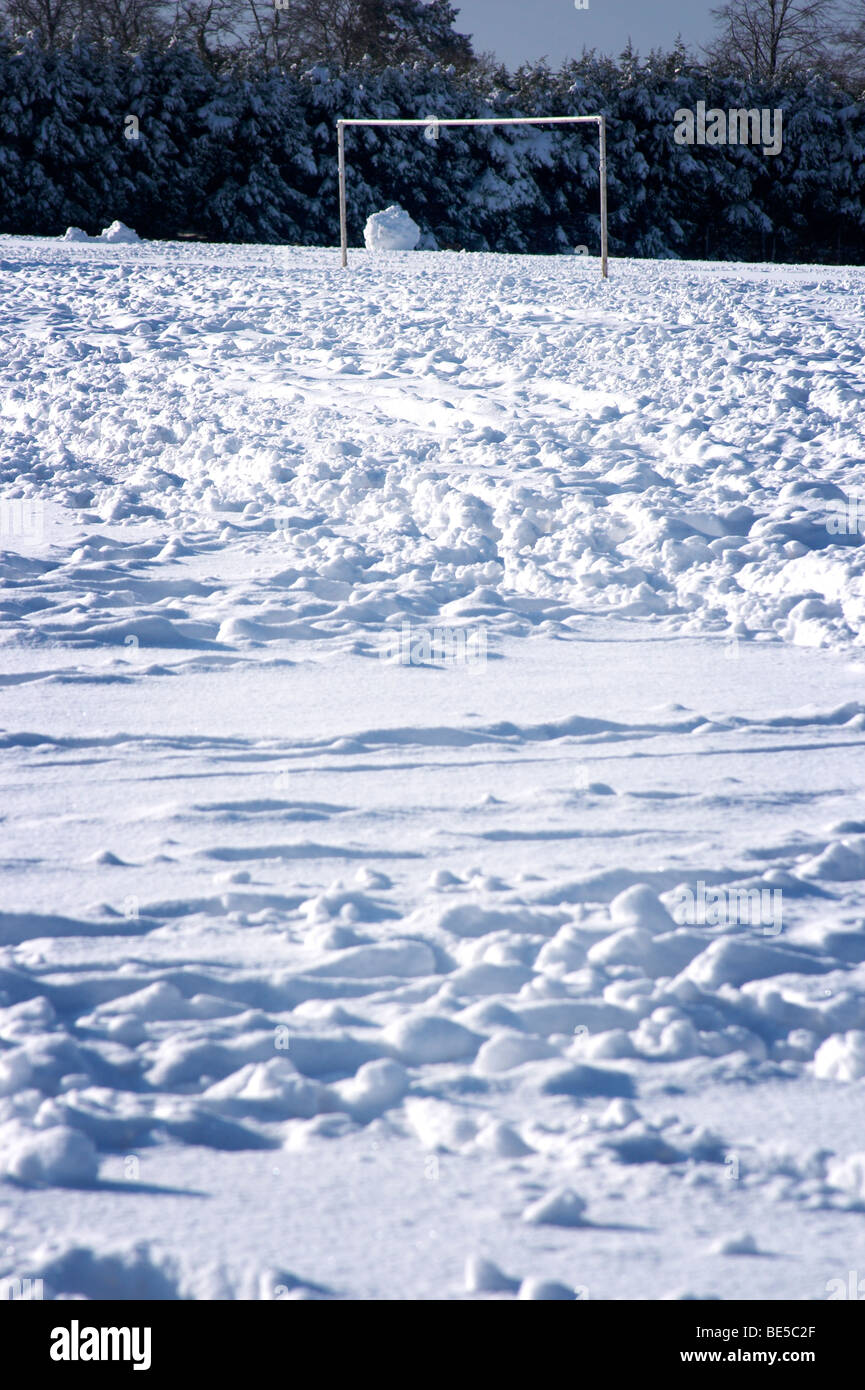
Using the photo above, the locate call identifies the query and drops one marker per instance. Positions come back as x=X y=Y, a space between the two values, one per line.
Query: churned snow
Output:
x=432 y=726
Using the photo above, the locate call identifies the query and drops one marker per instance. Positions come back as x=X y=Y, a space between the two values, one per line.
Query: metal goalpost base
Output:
x=433 y=123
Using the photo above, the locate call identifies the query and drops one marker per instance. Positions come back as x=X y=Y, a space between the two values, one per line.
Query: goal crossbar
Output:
x=435 y=122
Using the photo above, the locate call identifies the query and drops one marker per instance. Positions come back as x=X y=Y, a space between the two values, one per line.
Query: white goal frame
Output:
x=434 y=123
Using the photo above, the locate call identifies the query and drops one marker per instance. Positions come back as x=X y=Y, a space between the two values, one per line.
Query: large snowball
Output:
x=391 y=230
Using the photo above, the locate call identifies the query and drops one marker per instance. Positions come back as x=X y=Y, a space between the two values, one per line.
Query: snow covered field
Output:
x=431 y=779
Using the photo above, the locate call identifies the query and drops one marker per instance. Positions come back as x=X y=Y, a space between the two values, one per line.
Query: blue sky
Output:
x=516 y=30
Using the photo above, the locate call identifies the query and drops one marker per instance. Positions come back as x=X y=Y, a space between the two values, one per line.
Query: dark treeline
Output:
x=216 y=132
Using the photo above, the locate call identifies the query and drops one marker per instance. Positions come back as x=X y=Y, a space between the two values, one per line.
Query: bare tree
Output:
x=343 y=32
x=52 y=22
x=217 y=29
x=269 y=32
x=764 y=37
x=850 y=45
x=127 y=22
x=56 y=22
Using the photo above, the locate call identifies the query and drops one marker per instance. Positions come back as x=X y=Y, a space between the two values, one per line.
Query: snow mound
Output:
x=640 y=907
x=438 y=1125
x=508 y=1049
x=848 y=1174
x=268 y=1090
x=562 y=1207
x=117 y=232
x=133 y=1272
x=740 y=1244
x=546 y=1291
x=501 y=1140
x=55 y=1157
x=391 y=230
x=420 y=1038
x=483 y=1276
x=841 y=1057
x=842 y=861
x=376 y=1087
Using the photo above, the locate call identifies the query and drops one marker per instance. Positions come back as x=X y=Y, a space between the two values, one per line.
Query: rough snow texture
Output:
x=385 y=955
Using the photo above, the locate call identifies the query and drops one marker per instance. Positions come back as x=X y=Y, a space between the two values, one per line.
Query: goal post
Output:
x=433 y=123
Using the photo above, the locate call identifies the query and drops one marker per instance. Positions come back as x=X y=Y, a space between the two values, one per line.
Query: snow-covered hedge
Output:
x=171 y=148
